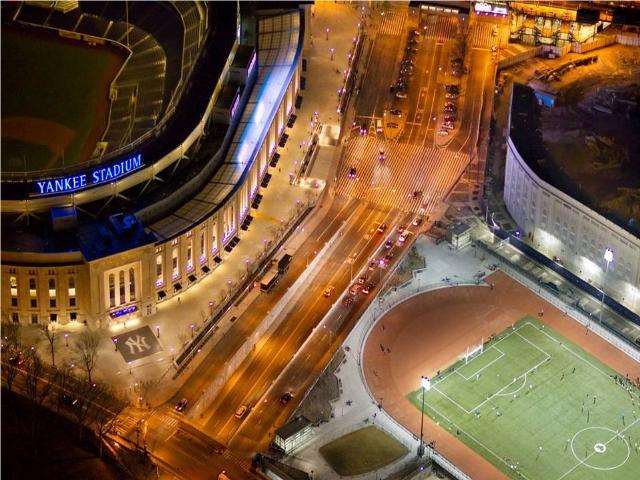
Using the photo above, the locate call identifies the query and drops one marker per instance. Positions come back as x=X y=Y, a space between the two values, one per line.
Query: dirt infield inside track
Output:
x=430 y=331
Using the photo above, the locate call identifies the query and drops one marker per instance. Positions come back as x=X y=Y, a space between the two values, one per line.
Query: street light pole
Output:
x=423 y=382
x=608 y=258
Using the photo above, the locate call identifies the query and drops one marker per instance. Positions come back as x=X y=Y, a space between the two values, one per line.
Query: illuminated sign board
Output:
x=97 y=176
x=484 y=8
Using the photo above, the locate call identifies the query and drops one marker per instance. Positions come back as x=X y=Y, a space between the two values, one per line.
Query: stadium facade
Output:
x=557 y=224
x=111 y=241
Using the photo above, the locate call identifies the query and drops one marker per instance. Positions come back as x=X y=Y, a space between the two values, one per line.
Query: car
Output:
x=348 y=301
x=417 y=221
x=415 y=32
x=352 y=172
x=68 y=400
x=494 y=48
x=241 y=411
x=364 y=128
x=328 y=291
x=372 y=265
x=392 y=125
x=407 y=63
x=396 y=111
x=405 y=73
x=382 y=228
x=401 y=95
x=367 y=288
x=354 y=290
x=401 y=228
x=452 y=89
x=411 y=50
x=403 y=238
x=443 y=132
x=448 y=126
x=450 y=109
x=362 y=280
x=181 y=405
x=450 y=105
x=450 y=119
x=286 y=398
x=388 y=257
x=451 y=95
x=388 y=244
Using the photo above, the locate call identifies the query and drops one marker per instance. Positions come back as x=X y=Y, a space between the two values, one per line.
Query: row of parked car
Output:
x=406 y=66
x=450 y=111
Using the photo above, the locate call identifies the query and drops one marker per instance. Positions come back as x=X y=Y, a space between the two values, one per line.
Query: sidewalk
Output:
x=179 y=319
x=441 y=262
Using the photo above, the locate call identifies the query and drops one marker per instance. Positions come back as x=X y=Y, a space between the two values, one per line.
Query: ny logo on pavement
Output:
x=138 y=342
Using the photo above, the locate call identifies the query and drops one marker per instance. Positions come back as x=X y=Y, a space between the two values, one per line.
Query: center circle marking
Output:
x=601 y=448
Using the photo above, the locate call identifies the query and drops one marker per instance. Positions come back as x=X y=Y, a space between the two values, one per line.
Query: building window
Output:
x=175 y=268
x=52 y=292
x=15 y=317
x=73 y=316
x=72 y=291
x=34 y=318
x=121 y=290
x=190 y=256
x=53 y=317
x=13 y=285
x=203 y=247
x=33 y=293
x=132 y=284
x=159 y=276
x=214 y=237
x=112 y=290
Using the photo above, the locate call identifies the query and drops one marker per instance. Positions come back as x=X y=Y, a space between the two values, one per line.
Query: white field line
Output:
x=475 y=440
x=487 y=365
x=498 y=392
x=584 y=462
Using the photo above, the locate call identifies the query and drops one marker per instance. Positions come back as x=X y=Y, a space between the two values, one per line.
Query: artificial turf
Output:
x=539 y=407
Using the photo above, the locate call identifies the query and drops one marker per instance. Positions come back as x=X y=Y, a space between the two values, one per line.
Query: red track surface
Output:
x=429 y=331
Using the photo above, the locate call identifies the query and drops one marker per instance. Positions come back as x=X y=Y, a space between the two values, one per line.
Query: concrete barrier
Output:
x=601 y=42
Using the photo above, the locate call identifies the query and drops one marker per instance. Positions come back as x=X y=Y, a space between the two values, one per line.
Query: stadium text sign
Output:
x=73 y=183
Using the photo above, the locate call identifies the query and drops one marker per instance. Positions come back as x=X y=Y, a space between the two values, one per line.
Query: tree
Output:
x=86 y=349
x=49 y=332
x=11 y=352
x=37 y=387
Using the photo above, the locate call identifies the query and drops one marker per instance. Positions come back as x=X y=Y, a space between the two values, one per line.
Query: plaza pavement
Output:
x=180 y=318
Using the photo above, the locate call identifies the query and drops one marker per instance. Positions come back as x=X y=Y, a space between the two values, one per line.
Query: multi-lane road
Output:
x=412 y=178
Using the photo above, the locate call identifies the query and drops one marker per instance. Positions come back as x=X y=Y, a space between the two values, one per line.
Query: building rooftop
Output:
x=590 y=155
x=293 y=427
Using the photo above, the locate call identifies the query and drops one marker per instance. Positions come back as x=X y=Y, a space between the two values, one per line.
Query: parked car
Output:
x=443 y=133
x=362 y=280
x=392 y=125
x=388 y=244
x=181 y=405
x=328 y=291
x=382 y=227
x=352 y=172
x=396 y=111
x=417 y=221
x=401 y=95
x=367 y=288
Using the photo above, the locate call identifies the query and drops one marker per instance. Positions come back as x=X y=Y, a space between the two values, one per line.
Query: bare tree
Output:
x=86 y=349
x=49 y=332
x=11 y=352
x=37 y=387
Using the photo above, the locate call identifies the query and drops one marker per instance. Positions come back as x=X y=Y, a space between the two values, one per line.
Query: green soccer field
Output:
x=539 y=407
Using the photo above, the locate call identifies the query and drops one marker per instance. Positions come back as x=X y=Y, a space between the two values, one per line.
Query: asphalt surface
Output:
x=413 y=180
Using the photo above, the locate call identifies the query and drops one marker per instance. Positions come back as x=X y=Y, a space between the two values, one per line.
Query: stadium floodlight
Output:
x=608 y=258
x=425 y=383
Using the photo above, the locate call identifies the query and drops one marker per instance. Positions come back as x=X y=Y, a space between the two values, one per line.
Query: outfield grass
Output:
x=58 y=80
x=362 y=451
x=539 y=407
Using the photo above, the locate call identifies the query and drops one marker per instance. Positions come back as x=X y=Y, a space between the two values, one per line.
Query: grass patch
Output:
x=362 y=451
x=539 y=407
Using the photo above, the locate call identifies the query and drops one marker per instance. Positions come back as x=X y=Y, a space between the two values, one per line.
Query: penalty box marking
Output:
x=499 y=392
x=502 y=354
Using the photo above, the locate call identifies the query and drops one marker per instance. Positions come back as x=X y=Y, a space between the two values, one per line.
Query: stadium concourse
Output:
x=430 y=331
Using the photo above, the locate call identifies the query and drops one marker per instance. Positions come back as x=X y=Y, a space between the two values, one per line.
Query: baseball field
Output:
x=55 y=98
x=539 y=407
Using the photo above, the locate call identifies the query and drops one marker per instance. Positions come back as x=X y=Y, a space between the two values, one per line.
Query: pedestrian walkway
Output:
x=393 y=22
x=406 y=177
x=482 y=35
x=180 y=318
x=441 y=27
x=355 y=408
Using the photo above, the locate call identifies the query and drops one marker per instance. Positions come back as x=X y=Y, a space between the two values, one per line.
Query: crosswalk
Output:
x=441 y=27
x=482 y=35
x=393 y=22
x=411 y=178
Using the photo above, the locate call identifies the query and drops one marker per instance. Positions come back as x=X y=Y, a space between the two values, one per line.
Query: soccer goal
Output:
x=473 y=351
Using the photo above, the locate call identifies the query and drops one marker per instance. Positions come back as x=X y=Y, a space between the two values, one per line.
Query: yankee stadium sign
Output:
x=97 y=176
